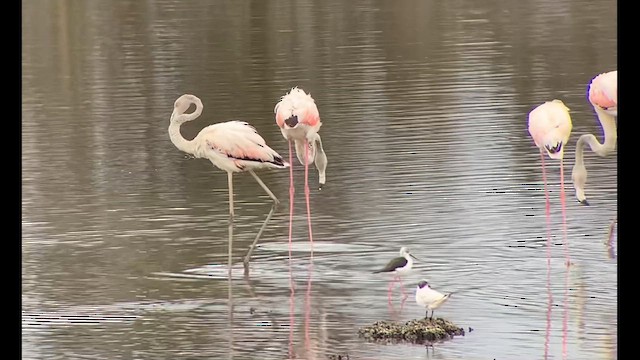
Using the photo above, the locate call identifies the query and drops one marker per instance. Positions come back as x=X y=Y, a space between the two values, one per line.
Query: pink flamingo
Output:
x=603 y=96
x=232 y=146
x=550 y=128
x=299 y=121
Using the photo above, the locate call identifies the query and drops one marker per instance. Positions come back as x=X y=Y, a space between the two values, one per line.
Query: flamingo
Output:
x=603 y=96
x=298 y=118
x=232 y=146
x=550 y=128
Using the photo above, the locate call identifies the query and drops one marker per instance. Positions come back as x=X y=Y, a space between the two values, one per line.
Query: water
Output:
x=424 y=104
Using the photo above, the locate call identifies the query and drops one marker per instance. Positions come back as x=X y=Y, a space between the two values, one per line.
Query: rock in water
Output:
x=414 y=331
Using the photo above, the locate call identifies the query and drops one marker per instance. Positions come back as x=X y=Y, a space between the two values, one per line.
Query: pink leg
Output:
x=547 y=211
x=291 y=283
x=548 y=217
x=291 y=192
x=565 y=317
x=391 y=288
x=564 y=215
x=404 y=294
x=306 y=188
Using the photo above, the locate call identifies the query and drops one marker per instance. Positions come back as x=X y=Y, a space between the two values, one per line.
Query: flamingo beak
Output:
x=554 y=149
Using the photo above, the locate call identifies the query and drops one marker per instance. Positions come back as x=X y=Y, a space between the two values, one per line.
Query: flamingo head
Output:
x=182 y=104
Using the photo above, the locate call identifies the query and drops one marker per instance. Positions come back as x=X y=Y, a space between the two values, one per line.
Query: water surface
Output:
x=424 y=105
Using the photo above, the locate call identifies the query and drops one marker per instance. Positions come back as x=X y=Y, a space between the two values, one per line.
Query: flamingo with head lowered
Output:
x=603 y=96
x=298 y=118
x=232 y=146
x=550 y=127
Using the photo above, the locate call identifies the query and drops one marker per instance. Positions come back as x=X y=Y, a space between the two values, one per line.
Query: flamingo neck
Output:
x=177 y=119
x=608 y=123
x=178 y=140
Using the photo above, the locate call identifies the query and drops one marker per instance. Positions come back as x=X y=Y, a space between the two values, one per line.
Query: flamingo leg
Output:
x=565 y=317
x=564 y=214
x=292 y=191
x=306 y=188
x=610 y=233
x=247 y=258
x=230 y=184
x=231 y=216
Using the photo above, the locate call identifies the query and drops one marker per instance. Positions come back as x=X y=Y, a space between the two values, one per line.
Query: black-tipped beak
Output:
x=292 y=121
x=554 y=149
x=584 y=202
x=414 y=257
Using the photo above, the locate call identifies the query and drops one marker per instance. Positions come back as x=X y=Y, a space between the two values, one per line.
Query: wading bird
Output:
x=298 y=118
x=400 y=266
x=550 y=128
x=603 y=96
x=429 y=298
x=232 y=146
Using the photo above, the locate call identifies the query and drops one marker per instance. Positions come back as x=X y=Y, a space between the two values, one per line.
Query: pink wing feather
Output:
x=237 y=140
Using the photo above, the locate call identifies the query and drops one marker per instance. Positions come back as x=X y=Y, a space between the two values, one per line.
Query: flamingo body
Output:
x=232 y=146
x=550 y=127
x=236 y=146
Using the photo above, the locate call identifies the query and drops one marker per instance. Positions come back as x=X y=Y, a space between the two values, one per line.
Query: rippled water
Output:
x=424 y=105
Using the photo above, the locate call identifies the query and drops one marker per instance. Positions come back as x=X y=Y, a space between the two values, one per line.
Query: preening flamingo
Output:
x=232 y=146
x=550 y=128
x=603 y=96
x=298 y=118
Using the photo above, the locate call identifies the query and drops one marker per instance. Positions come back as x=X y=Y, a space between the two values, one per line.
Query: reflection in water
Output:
x=611 y=236
x=292 y=293
x=307 y=306
x=230 y=289
x=549 y=294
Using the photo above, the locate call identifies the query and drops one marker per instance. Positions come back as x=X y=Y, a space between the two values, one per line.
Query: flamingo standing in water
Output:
x=603 y=96
x=232 y=146
x=550 y=128
x=298 y=118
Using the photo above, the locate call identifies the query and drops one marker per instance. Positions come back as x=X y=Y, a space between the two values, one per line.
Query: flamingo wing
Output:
x=237 y=143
